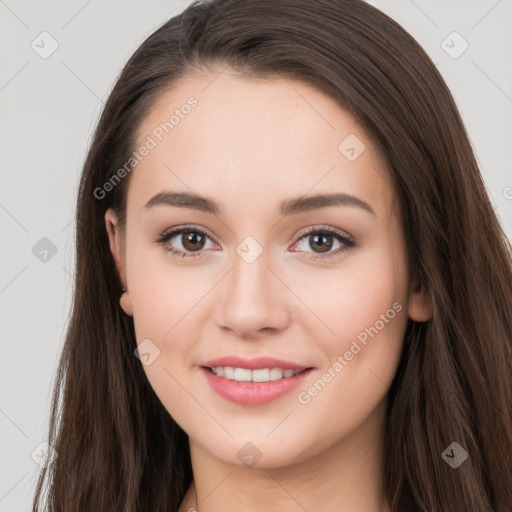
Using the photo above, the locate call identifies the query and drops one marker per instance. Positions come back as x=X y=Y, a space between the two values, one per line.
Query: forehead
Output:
x=236 y=138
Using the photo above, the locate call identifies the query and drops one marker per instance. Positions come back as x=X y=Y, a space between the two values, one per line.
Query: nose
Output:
x=252 y=299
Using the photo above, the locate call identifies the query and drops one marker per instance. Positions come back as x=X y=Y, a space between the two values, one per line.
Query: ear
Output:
x=420 y=302
x=116 y=248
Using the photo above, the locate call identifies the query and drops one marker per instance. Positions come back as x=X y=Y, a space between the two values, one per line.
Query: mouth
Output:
x=254 y=387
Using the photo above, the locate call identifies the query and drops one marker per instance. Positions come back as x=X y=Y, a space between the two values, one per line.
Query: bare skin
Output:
x=249 y=145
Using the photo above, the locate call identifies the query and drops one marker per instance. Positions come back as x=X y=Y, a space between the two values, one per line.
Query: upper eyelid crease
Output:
x=286 y=208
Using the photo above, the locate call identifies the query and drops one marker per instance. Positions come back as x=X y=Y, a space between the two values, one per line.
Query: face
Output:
x=321 y=285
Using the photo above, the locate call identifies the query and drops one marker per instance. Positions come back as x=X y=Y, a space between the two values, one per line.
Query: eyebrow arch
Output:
x=286 y=208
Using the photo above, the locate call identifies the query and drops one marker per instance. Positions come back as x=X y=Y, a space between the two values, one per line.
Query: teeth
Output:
x=242 y=375
x=259 y=375
x=275 y=374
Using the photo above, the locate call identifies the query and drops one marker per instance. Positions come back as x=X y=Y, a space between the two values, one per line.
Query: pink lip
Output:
x=253 y=364
x=253 y=393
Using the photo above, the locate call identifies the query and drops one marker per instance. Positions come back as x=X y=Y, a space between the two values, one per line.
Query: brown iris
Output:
x=320 y=241
x=192 y=240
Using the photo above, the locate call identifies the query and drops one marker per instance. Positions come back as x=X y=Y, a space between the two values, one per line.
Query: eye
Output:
x=193 y=240
x=321 y=238
x=190 y=238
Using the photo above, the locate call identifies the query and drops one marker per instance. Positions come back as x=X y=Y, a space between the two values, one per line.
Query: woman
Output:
x=292 y=291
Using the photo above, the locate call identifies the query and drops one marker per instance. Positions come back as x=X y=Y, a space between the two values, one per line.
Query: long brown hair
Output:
x=119 y=449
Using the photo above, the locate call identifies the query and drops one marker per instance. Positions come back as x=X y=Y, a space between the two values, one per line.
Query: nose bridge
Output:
x=251 y=300
x=250 y=269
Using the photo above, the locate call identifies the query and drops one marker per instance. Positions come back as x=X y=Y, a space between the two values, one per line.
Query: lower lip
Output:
x=253 y=393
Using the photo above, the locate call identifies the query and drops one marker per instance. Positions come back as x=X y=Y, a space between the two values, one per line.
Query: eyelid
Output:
x=187 y=227
x=321 y=228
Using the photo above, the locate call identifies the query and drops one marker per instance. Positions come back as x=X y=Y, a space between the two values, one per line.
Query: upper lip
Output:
x=253 y=364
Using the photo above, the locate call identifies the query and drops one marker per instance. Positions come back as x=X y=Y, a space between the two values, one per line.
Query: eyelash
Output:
x=347 y=241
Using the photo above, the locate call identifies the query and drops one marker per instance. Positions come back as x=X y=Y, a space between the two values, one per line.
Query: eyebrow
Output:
x=286 y=208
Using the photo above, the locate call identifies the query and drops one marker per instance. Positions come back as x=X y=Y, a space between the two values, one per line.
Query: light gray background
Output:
x=49 y=108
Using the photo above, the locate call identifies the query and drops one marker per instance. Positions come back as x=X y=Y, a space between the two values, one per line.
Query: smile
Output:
x=253 y=387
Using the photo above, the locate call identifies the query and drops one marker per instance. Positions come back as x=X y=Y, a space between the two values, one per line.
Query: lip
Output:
x=253 y=364
x=253 y=393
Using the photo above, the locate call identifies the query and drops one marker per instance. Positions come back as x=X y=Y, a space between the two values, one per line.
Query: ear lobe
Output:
x=126 y=303
x=115 y=244
x=420 y=302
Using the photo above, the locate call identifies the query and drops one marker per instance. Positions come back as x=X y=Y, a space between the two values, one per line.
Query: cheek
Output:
x=166 y=301
x=163 y=292
x=362 y=306
x=352 y=297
